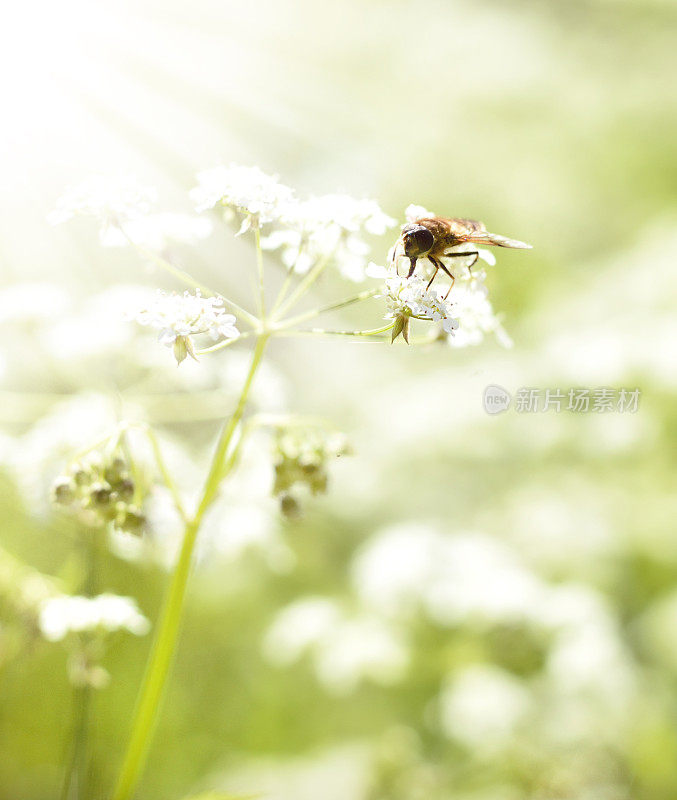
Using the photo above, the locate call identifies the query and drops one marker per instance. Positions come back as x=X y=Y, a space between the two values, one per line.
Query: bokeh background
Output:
x=483 y=607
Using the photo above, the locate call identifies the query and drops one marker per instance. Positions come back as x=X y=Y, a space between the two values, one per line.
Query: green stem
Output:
x=323 y=332
x=157 y=670
x=225 y=343
x=184 y=277
x=283 y=290
x=259 y=271
x=303 y=287
x=75 y=786
x=356 y=298
x=75 y=783
x=165 y=473
x=291 y=271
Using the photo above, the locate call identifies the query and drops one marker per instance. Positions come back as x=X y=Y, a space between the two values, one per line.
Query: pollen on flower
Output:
x=178 y=317
x=247 y=190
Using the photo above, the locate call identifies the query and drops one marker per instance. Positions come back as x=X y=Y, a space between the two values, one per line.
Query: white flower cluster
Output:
x=409 y=297
x=476 y=317
x=109 y=198
x=308 y=231
x=178 y=317
x=482 y=705
x=154 y=231
x=345 y=649
x=474 y=579
x=329 y=227
x=123 y=206
x=248 y=190
x=105 y=613
x=461 y=580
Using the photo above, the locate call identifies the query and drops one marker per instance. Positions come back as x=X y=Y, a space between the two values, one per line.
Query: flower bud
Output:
x=116 y=471
x=290 y=506
x=125 y=489
x=63 y=491
x=100 y=495
x=132 y=521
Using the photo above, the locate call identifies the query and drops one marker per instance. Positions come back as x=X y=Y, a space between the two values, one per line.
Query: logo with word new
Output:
x=496 y=399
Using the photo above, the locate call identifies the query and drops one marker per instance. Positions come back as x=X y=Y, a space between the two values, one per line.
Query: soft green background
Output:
x=552 y=122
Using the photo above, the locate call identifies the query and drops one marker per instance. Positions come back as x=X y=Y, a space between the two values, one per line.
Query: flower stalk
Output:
x=157 y=671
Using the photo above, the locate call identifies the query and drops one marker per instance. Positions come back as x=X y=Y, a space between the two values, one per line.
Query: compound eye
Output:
x=418 y=241
x=424 y=240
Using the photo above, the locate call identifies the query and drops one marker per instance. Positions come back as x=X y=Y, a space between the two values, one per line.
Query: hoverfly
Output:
x=433 y=237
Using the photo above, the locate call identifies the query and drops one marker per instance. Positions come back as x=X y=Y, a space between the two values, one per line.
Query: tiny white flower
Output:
x=409 y=297
x=112 y=199
x=66 y=614
x=248 y=190
x=178 y=317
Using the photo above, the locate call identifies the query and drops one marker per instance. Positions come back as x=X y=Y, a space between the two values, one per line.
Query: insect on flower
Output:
x=433 y=237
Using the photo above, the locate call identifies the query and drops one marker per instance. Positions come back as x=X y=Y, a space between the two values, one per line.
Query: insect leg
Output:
x=437 y=266
x=451 y=286
x=465 y=255
x=440 y=265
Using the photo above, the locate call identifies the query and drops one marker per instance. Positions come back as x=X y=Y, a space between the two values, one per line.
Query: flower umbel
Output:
x=101 y=491
x=155 y=231
x=408 y=298
x=301 y=455
x=328 y=227
x=247 y=190
x=107 y=613
x=178 y=317
x=112 y=200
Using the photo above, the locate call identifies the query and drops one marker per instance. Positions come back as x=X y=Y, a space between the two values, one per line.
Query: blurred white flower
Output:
x=178 y=317
x=111 y=199
x=588 y=654
x=345 y=649
x=155 y=231
x=233 y=526
x=455 y=579
x=348 y=214
x=328 y=227
x=414 y=212
x=248 y=190
x=482 y=706
x=66 y=614
x=98 y=328
x=476 y=317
